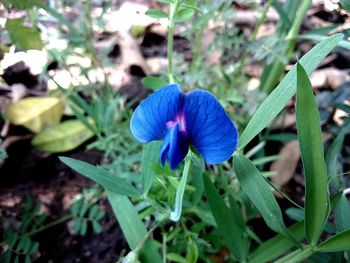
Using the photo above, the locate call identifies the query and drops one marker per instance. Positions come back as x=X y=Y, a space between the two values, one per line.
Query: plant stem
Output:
x=255 y=32
x=278 y=67
x=52 y=224
x=173 y=9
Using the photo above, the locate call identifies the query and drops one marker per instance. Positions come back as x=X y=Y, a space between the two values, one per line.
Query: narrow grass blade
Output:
x=102 y=177
x=298 y=255
x=150 y=156
x=278 y=245
x=134 y=230
x=331 y=160
x=338 y=242
x=277 y=100
x=229 y=228
x=312 y=155
x=259 y=192
x=175 y=215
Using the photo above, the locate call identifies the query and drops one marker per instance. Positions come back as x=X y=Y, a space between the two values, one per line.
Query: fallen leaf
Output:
x=287 y=163
x=36 y=113
x=63 y=137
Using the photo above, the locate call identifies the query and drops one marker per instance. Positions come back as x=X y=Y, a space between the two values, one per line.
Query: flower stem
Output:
x=52 y=224
x=173 y=9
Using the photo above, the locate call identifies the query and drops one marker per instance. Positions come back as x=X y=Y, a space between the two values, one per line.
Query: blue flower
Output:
x=181 y=120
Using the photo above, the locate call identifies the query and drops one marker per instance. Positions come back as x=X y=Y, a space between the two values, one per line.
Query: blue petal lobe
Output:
x=149 y=119
x=175 y=147
x=164 y=150
x=210 y=129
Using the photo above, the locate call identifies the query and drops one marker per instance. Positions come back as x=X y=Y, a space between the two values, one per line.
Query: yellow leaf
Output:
x=36 y=113
x=63 y=137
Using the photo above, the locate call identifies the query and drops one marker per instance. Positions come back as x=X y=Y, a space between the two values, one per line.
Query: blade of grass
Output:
x=229 y=228
x=134 y=230
x=312 y=155
x=278 y=245
x=150 y=156
x=338 y=242
x=297 y=255
x=259 y=192
x=102 y=177
x=277 y=100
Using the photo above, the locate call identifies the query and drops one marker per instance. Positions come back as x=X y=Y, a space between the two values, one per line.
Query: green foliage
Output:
x=106 y=179
x=17 y=246
x=17 y=242
x=232 y=230
x=134 y=230
x=153 y=83
x=20 y=4
x=312 y=154
x=156 y=13
x=273 y=104
x=3 y=154
x=258 y=190
x=212 y=206
x=86 y=212
x=24 y=37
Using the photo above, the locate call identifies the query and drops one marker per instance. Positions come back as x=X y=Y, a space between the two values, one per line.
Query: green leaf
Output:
x=34 y=248
x=76 y=207
x=331 y=160
x=6 y=257
x=102 y=177
x=345 y=4
x=312 y=155
x=23 y=37
x=77 y=225
x=173 y=257
x=229 y=228
x=134 y=230
x=259 y=192
x=84 y=208
x=185 y=14
x=192 y=252
x=36 y=113
x=277 y=245
x=156 y=13
x=150 y=156
x=282 y=14
x=83 y=228
x=317 y=37
x=197 y=181
x=338 y=242
x=175 y=215
x=297 y=255
x=100 y=214
x=153 y=83
x=342 y=214
x=62 y=137
x=96 y=226
x=27 y=259
x=93 y=211
x=277 y=100
x=27 y=4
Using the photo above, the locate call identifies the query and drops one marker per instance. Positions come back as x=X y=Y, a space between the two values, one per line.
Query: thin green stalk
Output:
x=173 y=9
x=52 y=224
x=278 y=67
x=255 y=32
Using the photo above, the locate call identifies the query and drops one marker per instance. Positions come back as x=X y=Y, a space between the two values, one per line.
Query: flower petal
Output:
x=175 y=147
x=210 y=129
x=149 y=120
